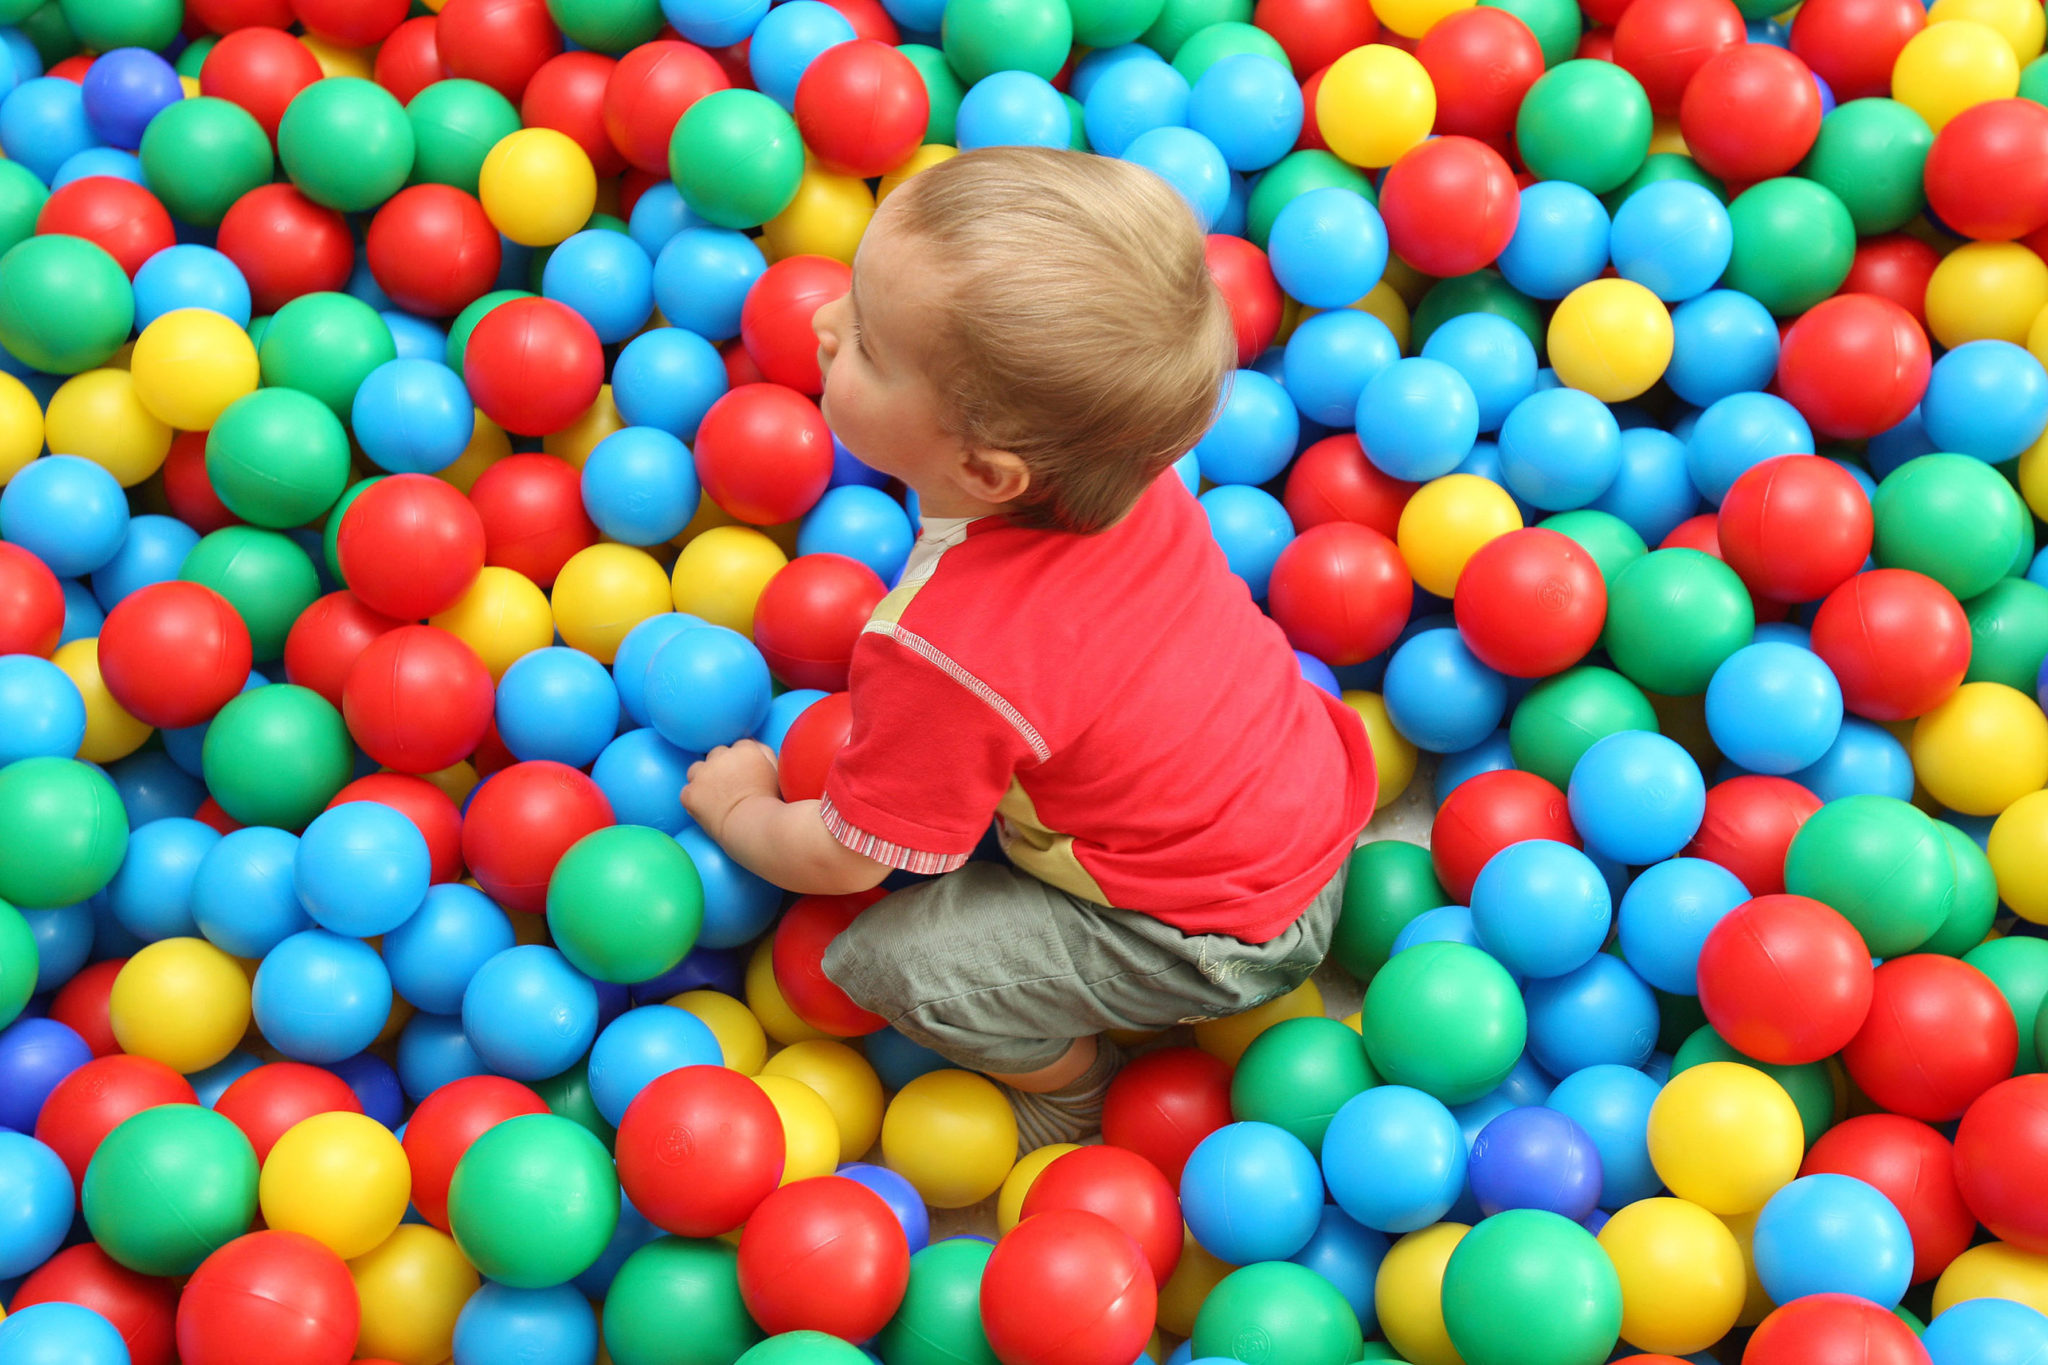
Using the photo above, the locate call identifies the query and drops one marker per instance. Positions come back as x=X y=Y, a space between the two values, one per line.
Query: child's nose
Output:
x=822 y=325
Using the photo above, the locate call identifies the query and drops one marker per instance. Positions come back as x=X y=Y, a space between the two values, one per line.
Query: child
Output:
x=1031 y=340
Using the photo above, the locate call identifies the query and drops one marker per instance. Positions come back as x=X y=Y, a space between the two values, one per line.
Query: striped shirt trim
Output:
x=882 y=851
x=946 y=664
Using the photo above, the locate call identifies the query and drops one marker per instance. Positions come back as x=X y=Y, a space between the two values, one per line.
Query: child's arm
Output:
x=732 y=795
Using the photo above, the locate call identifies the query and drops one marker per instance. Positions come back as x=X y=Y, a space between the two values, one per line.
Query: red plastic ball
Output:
x=417 y=699
x=410 y=546
x=261 y=69
x=1784 y=979
x=764 y=453
x=1333 y=481
x=409 y=61
x=1068 y=1287
x=806 y=931
x=142 y=1308
x=775 y=320
x=1121 y=1186
x=31 y=604
x=2000 y=1146
x=652 y=88
x=1341 y=592
x=72 y=68
x=1162 y=1105
x=326 y=640
x=269 y=1296
x=1481 y=61
x=1939 y=1035
x=567 y=95
x=1245 y=278
x=117 y=215
x=267 y=1101
x=1703 y=533
x=698 y=1150
x=810 y=615
x=499 y=42
x=446 y=1123
x=1853 y=44
x=284 y=244
x=1311 y=139
x=1749 y=824
x=739 y=366
x=98 y=1097
x=1833 y=1329
x=1485 y=814
x=810 y=746
x=823 y=1255
x=1596 y=44
x=188 y=489
x=1797 y=527
x=533 y=365
x=1854 y=365
x=426 y=805
x=351 y=23
x=531 y=506
x=81 y=1004
x=214 y=818
x=521 y=822
x=634 y=183
x=1531 y=603
x=225 y=16
x=1896 y=267
x=1749 y=113
x=1913 y=1166
x=1987 y=173
x=1897 y=641
x=1663 y=43
x=174 y=653
x=862 y=108
x=1450 y=206
x=1314 y=33
x=870 y=21
x=433 y=250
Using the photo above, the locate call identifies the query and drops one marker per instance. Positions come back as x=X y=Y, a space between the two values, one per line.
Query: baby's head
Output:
x=1044 y=320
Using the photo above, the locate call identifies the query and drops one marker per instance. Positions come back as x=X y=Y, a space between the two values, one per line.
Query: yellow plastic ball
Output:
x=1017 y=1184
x=1947 y=68
x=574 y=442
x=1180 y=1298
x=412 y=1287
x=765 y=999
x=502 y=617
x=1756 y=1304
x=827 y=218
x=2018 y=849
x=923 y=159
x=110 y=732
x=1392 y=754
x=99 y=415
x=1228 y=1037
x=456 y=781
x=336 y=60
x=1682 y=1275
x=1386 y=304
x=1982 y=749
x=951 y=1134
x=603 y=592
x=1725 y=1136
x=21 y=427
x=719 y=575
x=1375 y=103
x=340 y=1178
x=1665 y=136
x=1987 y=291
x=741 y=1040
x=1611 y=338
x=2036 y=340
x=488 y=444
x=810 y=1134
x=845 y=1081
x=180 y=1001
x=537 y=187
x=1995 y=1270
x=1408 y=1295
x=2019 y=22
x=1446 y=522
x=1413 y=18
x=190 y=364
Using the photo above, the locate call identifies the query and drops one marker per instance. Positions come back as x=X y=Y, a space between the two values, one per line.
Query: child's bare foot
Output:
x=1070 y=1112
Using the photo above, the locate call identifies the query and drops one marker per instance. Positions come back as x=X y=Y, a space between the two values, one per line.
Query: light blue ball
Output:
x=706 y=687
x=107 y=161
x=532 y=1326
x=151 y=893
x=1987 y=1332
x=1441 y=924
x=41 y=712
x=83 y=614
x=1254 y=434
x=636 y=651
x=413 y=416
x=1438 y=694
x=1097 y=63
x=861 y=523
x=63 y=936
x=190 y=276
x=1453 y=770
x=1987 y=399
x=1012 y=108
x=1251 y=528
x=1723 y=342
x=243 y=899
x=186 y=744
x=1250 y=107
x=606 y=277
x=1394 y=1159
x=43 y=124
x=1347 y=1254
x=361 y=869
x=1601 y=1014
x=1560 y=449
x=1833 y=1234
x=529 y=1014
x=640 y=1045
x=1417 y=419
x=559 y=704
x=1865 y=759
x=640 y=486
x=153 y=552
x=433 y=1051
x=642 y=775
x=433 y=955
x=320 y=997
x=58 y=1333
x=209 y=1085
x=1652 y=490
x=782 y=713
x=36 y=1205
x=738 y=906
x=1666 y=915
x=1329 y=360
x=1191 y=164
x=1637 y=797
x=1739 y=432
x=1774 y=708
x=714 y=23
x=153 y=786
x=787 y=40
x=1251 y=1192
x=659 y=214
x=702 y=277
x=66 y=511
x=1674 y=238
x=1541 y=908
x=668 y=378
x=1496 y=357
x=1612 y=1103
x=414 y=337
x=1560 y=240
x=1129 y=99
x=1328 y=247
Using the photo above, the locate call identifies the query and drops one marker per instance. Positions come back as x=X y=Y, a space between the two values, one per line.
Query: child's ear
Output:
x=996 y=476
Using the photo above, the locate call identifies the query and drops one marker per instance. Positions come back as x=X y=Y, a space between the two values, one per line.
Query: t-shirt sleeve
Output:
x=931 y=754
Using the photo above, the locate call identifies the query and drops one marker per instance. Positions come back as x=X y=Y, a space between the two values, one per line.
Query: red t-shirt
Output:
x=1140 y=732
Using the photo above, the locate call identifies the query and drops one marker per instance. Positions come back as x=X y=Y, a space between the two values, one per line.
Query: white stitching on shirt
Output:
x=881 y=850
x=946 y=664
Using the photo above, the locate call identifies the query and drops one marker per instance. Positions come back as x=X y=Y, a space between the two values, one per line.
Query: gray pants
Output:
x=998 y=971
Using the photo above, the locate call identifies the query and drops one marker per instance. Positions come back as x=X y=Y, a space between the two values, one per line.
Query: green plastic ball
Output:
x=103 y=25
x=1531 y=1287
x=1612 y=542
x=19 y=963
x=15 y=11
x=939 y=1322
x=1206 y=47
x=534 y=1201
x=192 y=57
x=804 y=1348
x=455 y=123
x=941 y=87
x=1564 y=716
x=1673 y=616
x=276 y=755
x=65 y=304
x=1446 y=1019
x=568 y=1096
x=1389 y=883
x=2018 y=966
x=737 y=158
x=1880 y=864
x=1678 y=1017
x=346 y=143
x=1276 y=1311
x=1949 y=517
x=1810 y=1085
x=1483 y=291
x=1180 y=20
x=1794 y=243
x=2008 y=633
x=22 y=197
x=2041 y=1034
x=1556 y=24
x=1111 y=23
x=2034 y=81
x=625 y=904
x=325 y=345
x=63 y=832
x=676 y=1301
x=50 y=31
x=201 y=155
x=607 y=25
x=1077 y=123
x=266 y=578
x=1587 y=122
x=1293 y=176
x=277 y=458
x=1662 y=166
x=330 y=534
x=1976 y=903
x=466 y=321
x=1298 y=1074
x=1871 y=153
x=982 y=37
x=169 y=1186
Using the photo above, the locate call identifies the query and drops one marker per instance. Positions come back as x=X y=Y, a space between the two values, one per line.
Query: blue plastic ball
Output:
x=1441 y=924
x=1254 y=434
x=83 y=615
x=1191 y=164
x=706 y=687
x=605 y=276
x=640 y=1045
x=1560 y=240
x=123 y=90
x=1347 y=1254
x=861 y=522
x=636 y=651
x=642 y=775
x=1637 y=797
x=1394 y=1159
x=41 y=712
x=320 y=997
x=668 y=378
x=849 y=470
x=557 y=704
x=432 y=1052
x=529 y=1014
x=716 y=969
x=43 y=123
x=1440 y=696
x=1330 y=359
x=1612 y=1104
x=1739 y=432
x=111 y=162
x=533 y=1326
x=1251 y=1192
x=788 y=40
x=376 y=1086
x=1652 y=490
x=1833 y=1234
x=659 y=214
x=1987 y=399
x=190 y=276
x=1774 y=708
x=66 y=511
x=640 y=486
x=1666 y=915
x=1129 y=99
x=701 y=279
x=901 y=1197
x=1252 y=528
x=1328 y=247
x=433 y=955
x=1541 y=908
x=1599 y=1014
x=209 y=1085
x=361 y=869
x=1453 y=770
x=1560 y=449
x=63 y=936
x=1723 y=342
x=1012 y=108
x=413 y=416
x=1097 y=63
x=738 y=905
x=35 y=1054
x=1674 y=238
x=1417 y=419
x=1986 y=1332
x=1314 y=670
x=782 y=713
x=243 y=897
x=151 y=894
x=1533 y=1157
x=58 y=1333
x=1249 y=106
x=414 y=337
x=714 y=23
x=632 y=1233
x=1496 y=357
x=897 y=1060
x=153 y=552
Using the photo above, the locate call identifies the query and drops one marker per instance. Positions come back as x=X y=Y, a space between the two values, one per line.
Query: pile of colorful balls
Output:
x=410 y=460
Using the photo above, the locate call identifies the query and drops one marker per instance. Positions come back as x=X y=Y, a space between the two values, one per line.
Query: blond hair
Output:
x=1081 y=331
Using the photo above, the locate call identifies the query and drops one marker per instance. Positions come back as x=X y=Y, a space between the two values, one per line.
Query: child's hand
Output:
x=725 y=777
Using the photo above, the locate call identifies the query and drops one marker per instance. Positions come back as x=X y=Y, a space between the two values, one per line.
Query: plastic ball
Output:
x=1666 y=43
x=204 y=1176
x=1983 y=1329
x=832 y=1227
x=1585 y=122
x=1445 y=522
x=1502 y=1283
x=39 y=1203
x=1417 y=419
x=319 y=997
x=1375 y=103
x=182 y=1002
x=1880 y=863
x=1978 y=752
x=1896 y=640
x=1480 y=68
x=1681 y=1271
x=1833 y=1327
x=1725 y=1136
x=1541 y=908
x=1162 y=1105
x=1450 y=205
x=417 y=699
x=1303 y=1315
x=1752 y=944
x=1251 y=1192
x=1444 y=986
x=1328 y=247
x=1066 y=1273
x=141 y=1308
x=533 y=366
x=737 y=158
x=54 y=1330
x=706 y=687
x=528 y=1013
x=1832 y=1234
x=1950 y=1008
x=1439 y=695
x=531 y=1173
x=66 y=511
x=269 y=1101
x=443 y=546
x=952 y=1135
x=339 y=1178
